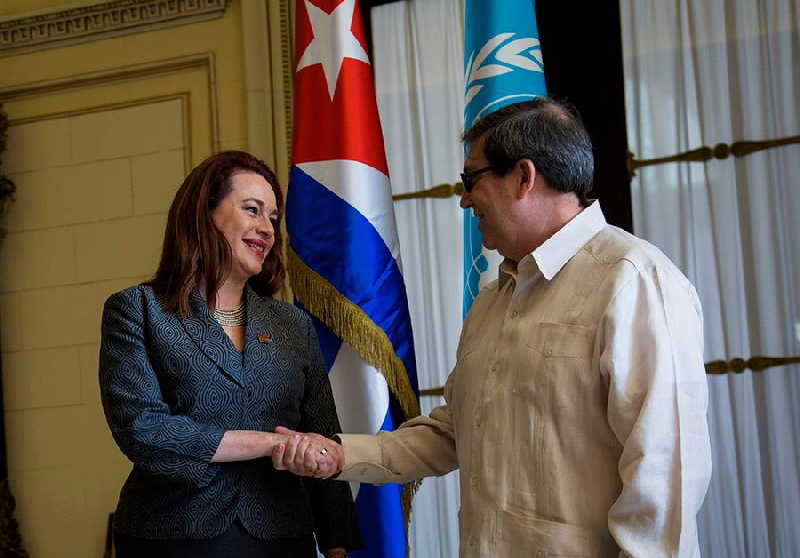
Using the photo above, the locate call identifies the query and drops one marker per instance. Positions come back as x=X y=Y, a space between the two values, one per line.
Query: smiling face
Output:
x=491 y=201
x=246 y=218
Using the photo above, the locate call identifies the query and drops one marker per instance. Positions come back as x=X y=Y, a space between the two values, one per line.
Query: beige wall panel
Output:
x=34 y=259
x=55 y=318
x=64 y=316
x=127 y=132
x=72 y=194
x=126 y=248
x=46 y=438
x=233 y=128
x=41 y=378
x=11 y=314
x=53 y=501
x=95 y=192
x=37 y=146
x=189 y=88
x=156 y=177
x=39 y=199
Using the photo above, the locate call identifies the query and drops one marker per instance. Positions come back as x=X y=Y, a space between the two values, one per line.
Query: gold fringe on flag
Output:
x=406 y=499
x=352 y=325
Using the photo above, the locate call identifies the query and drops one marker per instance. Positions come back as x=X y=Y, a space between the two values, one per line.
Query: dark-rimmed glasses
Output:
x=468 y=177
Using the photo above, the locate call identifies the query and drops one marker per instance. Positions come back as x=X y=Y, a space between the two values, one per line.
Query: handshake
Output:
x=308 y=455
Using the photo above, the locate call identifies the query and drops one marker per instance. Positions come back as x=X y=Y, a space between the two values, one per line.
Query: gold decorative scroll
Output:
x=756 y=364
x=719 y=151
x=735 y=365
x=76 y=24
x=441 y=191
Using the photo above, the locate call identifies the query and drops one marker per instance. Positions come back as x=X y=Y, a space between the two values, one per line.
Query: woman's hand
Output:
x=241 y=445
x=309 y=455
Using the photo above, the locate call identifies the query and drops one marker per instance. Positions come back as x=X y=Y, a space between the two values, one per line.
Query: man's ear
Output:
x=527 y=177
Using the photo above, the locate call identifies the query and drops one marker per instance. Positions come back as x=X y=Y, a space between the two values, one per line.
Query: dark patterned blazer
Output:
x=172 y=386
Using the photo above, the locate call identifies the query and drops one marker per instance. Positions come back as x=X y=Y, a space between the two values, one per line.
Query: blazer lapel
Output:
x=258 y=337
x=211 y=339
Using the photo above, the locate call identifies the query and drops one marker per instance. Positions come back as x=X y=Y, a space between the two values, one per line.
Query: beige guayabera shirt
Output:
x=576 y=410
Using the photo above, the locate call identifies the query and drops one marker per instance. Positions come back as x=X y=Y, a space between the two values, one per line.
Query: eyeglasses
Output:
x=468 y=177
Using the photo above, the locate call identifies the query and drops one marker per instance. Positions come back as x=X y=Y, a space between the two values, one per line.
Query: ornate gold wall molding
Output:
x=101 y=20
x=705 y=153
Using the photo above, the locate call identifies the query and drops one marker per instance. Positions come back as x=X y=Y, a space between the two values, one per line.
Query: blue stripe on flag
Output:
x=341 y=245
x=378 y=529
x=380 y=512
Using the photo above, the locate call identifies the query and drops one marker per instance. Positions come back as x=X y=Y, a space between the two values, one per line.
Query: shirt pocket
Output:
x=558 y=372
x=522 y=535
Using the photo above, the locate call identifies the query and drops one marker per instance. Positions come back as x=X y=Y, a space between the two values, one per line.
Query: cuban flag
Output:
x=343 y=255
x=502 y=65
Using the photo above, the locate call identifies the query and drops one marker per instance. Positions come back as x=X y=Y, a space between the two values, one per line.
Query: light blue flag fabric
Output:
x=502 y=65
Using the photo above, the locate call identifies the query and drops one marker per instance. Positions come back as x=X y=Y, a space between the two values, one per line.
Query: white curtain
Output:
x=703 y=73
x=418 y=54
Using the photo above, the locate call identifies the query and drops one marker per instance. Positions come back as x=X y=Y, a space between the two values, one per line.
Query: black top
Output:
x=172 y=386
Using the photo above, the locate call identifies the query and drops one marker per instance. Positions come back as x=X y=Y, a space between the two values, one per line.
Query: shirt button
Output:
x=515 y=314
x=547 y=351
x=473 y=480
x=493 y=368
x=477 y=422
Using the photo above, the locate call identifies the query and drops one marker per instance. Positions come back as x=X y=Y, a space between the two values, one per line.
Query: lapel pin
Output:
x=264 y=338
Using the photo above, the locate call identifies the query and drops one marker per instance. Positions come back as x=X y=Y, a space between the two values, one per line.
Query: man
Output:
x=576 y=411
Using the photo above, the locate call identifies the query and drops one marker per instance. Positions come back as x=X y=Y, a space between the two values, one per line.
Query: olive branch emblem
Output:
x=509 y=54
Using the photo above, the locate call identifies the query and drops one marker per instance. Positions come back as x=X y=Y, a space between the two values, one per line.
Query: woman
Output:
x=199 y=365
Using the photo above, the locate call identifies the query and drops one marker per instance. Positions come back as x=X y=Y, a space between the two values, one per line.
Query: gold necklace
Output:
x=232 y=318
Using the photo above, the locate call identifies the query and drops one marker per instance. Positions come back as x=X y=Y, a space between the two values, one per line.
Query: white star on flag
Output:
x=333 y=41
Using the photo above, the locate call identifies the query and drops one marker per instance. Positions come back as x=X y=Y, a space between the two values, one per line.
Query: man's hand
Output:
x=336 y=553
x=309 y=455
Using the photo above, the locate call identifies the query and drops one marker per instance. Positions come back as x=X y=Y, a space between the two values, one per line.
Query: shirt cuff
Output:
x=362 y=459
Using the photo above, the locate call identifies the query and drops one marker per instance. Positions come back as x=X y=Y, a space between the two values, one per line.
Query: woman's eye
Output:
x=252 y=209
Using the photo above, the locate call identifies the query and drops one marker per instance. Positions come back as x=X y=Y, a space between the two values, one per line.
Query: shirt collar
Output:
x=557 y=250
